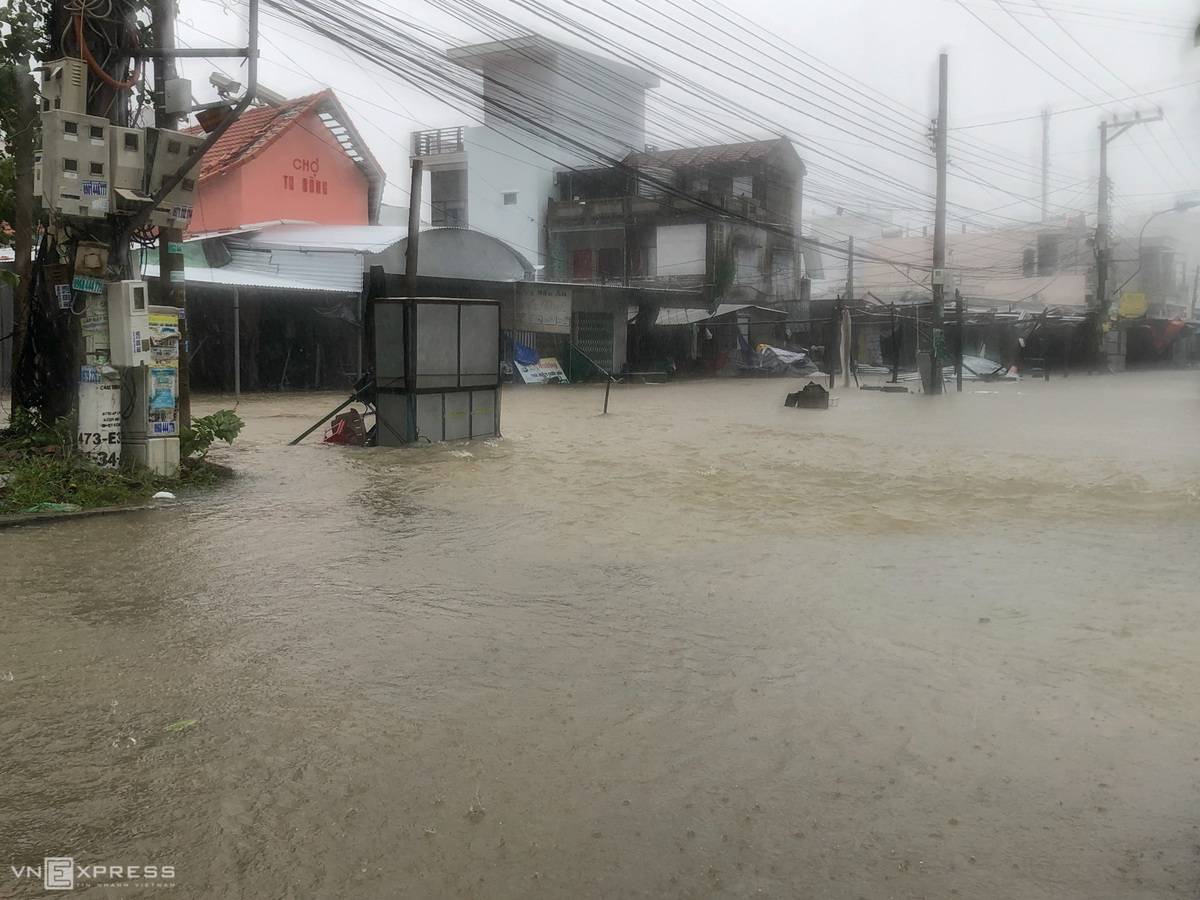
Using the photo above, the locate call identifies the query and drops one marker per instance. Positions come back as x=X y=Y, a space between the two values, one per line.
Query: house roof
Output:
x=670 y=315
x=258 y=128
x=334 y=258
x=716 y=154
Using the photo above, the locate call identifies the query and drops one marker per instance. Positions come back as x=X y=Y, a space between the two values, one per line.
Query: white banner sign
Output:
x=543 y=308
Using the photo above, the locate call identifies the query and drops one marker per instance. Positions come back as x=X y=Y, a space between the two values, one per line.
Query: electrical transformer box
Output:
x=64 y=85
x=127 y=168
x=168 y=152
x=128 y=323
x=75 y=164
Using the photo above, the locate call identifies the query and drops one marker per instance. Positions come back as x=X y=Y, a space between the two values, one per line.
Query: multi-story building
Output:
x=723 y=218
x=1032 y=266
x=546 y=107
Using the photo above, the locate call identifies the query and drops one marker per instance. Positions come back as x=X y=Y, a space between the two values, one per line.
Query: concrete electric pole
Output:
x=1109 y=132
x=846 y=330
x=171 y=286
x=939 y=233
x=1045 y=165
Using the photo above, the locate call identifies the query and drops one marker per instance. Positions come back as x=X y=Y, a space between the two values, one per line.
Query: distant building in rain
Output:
x=722 y=218
x=546 y=107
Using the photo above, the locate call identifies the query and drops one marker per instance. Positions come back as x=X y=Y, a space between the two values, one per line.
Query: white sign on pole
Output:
x=99 y=435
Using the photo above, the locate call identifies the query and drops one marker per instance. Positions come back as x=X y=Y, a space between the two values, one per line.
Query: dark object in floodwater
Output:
x=813 y=396
x=347 y=428
x=886 y=388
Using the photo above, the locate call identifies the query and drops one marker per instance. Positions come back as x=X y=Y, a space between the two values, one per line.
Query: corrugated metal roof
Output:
x=329 y=271
x=678 y=316
x=726 y=308
x=358 y=238
x=674 y=316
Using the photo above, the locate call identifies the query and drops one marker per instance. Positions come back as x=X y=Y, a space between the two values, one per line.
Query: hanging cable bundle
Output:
x=44 y=379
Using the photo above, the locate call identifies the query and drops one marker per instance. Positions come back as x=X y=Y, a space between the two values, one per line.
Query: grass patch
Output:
x=39 y=465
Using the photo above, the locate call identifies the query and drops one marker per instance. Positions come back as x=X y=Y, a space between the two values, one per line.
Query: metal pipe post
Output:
x=237 y=345
x=958 y=356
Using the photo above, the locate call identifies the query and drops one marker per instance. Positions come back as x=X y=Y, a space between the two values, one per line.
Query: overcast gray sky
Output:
x=1009 y=59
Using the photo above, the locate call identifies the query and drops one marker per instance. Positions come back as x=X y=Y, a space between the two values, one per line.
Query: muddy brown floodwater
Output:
x=704 y=646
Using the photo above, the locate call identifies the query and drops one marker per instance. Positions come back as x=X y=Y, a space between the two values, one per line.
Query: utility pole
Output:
x=414 y=228
x=171 y=286
x=846 y=334
x=1195 y=291
x=939 y=231
x=1045 y=165
x=1103 y=303
x=958 y=351
x=101 y=41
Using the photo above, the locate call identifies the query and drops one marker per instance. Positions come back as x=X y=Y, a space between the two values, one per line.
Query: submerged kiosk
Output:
x=436 y=369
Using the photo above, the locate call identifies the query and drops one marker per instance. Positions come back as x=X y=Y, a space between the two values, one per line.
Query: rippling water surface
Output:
x=702 y=646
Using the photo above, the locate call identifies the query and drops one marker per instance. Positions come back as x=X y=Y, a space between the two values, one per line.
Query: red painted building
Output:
x=302 y=161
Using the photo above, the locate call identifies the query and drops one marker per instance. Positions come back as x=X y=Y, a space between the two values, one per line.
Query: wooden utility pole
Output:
x=414 y=229
x=939 y=230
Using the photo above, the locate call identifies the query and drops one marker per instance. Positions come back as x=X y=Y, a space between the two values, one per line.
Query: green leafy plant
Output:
x=224 y=425
x=28 y=431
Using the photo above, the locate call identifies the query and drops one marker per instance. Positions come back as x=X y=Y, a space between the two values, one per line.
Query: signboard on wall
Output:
x=543 y=308
x=548 y=371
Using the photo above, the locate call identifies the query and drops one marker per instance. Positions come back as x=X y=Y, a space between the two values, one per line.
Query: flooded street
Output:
x=703 y=646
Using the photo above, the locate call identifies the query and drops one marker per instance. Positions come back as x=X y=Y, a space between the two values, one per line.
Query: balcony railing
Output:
x=437 y=141
x=609 y=211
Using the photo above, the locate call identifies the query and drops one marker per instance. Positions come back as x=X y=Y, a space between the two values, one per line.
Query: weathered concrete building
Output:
x=723 y=219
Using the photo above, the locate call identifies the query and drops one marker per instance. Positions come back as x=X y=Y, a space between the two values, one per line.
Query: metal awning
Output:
x=337 y=272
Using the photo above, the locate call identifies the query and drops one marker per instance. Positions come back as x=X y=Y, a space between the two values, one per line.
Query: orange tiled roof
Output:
x=254 y=131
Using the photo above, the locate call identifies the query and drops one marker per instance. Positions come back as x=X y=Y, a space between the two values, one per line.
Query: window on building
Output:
x=1047 y=262
x=448 y=198
x=448 y=213
x=1027 y=263
x=748 y=265
x=582 y=265
x=610 y=264
x=510 y=198
x=641 y=262
x=743 y=186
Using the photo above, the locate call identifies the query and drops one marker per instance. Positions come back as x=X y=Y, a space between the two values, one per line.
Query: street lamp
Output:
x=1180 y=206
